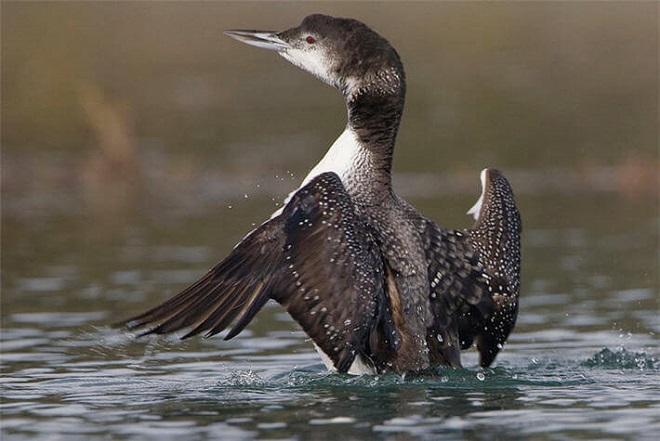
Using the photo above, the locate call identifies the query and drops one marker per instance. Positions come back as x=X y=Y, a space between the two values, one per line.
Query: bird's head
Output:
x=341 y=52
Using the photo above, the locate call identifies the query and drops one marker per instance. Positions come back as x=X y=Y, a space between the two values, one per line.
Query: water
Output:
x=103 y=218
x=93 y=383
x=582 y=362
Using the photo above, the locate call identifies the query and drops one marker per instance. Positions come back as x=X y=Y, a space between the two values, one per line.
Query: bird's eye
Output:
x=310 y=39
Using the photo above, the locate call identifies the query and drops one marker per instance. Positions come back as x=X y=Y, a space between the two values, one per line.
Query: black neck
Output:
x=374 y=114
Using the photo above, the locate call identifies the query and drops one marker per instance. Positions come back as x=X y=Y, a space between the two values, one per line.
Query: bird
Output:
x=376 y=286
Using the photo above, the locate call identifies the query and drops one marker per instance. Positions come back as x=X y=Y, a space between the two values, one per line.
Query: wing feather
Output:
x=475 y=276
x=317 y=258
x=457 y=282
x=495 y=237
x=336 y=270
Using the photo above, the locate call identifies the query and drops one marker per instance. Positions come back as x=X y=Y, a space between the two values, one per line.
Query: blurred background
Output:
x=139 y=124
x=139 y=144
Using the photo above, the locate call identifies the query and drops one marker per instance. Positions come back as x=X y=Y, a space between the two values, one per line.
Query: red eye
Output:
x=310 y=39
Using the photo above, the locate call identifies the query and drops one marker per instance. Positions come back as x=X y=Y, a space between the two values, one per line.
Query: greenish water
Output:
x=139 y=145
x=582 y=362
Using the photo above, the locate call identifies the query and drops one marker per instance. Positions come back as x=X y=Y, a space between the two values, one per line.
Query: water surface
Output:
x=139 y=146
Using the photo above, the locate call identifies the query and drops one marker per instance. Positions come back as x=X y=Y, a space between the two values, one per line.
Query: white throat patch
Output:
x=312 y=61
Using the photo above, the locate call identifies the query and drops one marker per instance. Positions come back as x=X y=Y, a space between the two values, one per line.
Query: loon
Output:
x=375 y=285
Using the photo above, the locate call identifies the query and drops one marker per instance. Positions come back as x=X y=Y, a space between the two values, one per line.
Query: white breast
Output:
x=340 y=158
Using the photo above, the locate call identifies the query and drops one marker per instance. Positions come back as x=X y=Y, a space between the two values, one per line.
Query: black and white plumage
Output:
x=376 y=286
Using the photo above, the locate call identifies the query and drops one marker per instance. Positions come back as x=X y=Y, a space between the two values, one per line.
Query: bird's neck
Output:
x=374 y=109
x=375 y=105
x=362 y=155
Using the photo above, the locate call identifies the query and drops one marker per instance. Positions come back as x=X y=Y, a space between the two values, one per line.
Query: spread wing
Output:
x=317 y=258
x=457 y=282
x=495 y=237
x=475 y=276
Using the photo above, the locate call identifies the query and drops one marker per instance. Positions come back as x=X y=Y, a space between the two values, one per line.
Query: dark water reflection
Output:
x=139 y=147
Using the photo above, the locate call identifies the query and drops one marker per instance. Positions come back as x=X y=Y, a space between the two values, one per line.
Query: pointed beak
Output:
x=263 y=39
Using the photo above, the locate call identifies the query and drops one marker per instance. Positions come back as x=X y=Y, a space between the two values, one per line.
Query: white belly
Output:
x=359 y=367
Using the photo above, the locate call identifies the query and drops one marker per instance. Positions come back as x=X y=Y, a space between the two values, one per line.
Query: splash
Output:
x=622 y=359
